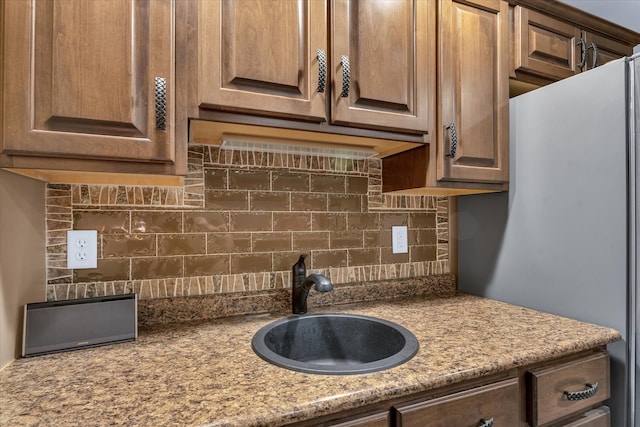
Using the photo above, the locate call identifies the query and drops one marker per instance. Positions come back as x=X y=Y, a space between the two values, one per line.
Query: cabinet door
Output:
x=544 y=46
x=80 y=79
x=390 y=46
x=261 y=56
x=601 y=50
x=474 y=129
x=495 y=404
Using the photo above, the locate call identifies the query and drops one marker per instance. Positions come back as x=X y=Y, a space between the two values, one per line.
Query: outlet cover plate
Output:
x=399 y=239
x=82 y=249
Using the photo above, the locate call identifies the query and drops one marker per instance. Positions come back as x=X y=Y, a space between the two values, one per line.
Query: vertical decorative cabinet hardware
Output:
x=161 y=103
x=453 y=140
x=322 y=70
x=346 y=76
x=595 y=54
x=583 y=53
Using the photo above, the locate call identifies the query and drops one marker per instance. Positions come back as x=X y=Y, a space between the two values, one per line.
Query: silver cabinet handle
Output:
x=346 y=76
x=582 y=394
x=486 y=423
x=595 y=54
x=453 y=140
x=322 y=70
x=583 y=53
x=161 y=103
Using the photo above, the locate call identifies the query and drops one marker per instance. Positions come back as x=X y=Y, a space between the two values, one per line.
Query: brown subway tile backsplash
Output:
x=206 y=265
x=156 y=267
x=108 y=269
x=127 y=245
x=291 y=221
x=422 y=220
x=422 y=253
x=308 y=202
x=156 y=222
x=388 y=220
x=182 y=244
x=328 y=183
x=239 y=223
x=215 y=178
x=250 y=263
x=346 y=239
x=103 y=221
x=206 y=222
x=271 y=242
x=250 y=221
x=249 y=180
x=363 y=221
x=228 y=243
x=269 y=201
x=223 y=200
x=290 y=181
x=329 y=221
x=388 y=257
x=369 y=256
x=345 y=203
x=307 y=241
x=329 y=259
x=357 y=185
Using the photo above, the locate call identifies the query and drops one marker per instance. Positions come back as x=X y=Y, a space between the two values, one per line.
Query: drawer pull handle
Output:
x=582 y=394
x=486 y=423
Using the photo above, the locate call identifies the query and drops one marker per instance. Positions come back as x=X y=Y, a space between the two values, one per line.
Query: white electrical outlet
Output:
x=82 y=249
x=399 y=239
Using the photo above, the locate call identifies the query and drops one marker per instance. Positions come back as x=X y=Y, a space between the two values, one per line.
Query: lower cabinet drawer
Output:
x=375 y=420
x=494 y=404
x=598 y=417
x=562 y=389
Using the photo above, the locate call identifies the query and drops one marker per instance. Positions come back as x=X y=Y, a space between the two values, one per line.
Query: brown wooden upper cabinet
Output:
x=474 y=64
x=552 y=41
x=358 y=63
x=471 y=153
x=89 y=85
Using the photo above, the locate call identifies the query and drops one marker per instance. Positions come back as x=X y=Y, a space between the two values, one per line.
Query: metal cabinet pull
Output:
x=322 y=70
x=453 y=138
x=582 y=394
x=595 y=54
x=583 y=53
x=346 y=76
x=486 y=423
x=161 y=103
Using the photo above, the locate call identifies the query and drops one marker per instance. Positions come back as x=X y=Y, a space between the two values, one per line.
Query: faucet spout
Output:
x=300 y=286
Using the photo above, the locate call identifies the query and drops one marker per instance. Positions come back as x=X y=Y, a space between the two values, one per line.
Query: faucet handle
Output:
x=299 y=269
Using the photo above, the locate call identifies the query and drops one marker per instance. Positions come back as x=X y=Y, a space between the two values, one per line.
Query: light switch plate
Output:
x=399 y=239
x=82 y=249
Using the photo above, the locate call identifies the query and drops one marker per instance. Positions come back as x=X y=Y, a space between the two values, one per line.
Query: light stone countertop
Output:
x=206 y=373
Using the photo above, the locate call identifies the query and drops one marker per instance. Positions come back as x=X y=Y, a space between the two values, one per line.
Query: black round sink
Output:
x=336 y=344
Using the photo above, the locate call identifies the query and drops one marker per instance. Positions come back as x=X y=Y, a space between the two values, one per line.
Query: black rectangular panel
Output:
x=73 y=324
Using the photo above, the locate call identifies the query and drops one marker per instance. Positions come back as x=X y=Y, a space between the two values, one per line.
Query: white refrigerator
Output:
x=563 y=239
